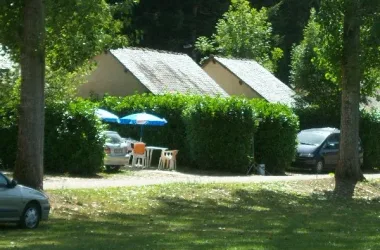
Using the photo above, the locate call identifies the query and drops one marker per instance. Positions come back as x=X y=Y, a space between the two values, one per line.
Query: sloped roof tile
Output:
x=259 y=79
x=163 y=72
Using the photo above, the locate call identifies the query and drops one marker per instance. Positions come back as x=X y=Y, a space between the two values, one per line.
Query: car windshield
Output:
x=113 y=138
x=310 y=138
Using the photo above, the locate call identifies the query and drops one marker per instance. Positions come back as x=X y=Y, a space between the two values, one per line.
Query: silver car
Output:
x=20 y=204
x=116 y=149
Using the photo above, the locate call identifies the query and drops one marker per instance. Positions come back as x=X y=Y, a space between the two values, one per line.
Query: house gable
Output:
x=110 y=77
x=255 y=76
x=229 y=81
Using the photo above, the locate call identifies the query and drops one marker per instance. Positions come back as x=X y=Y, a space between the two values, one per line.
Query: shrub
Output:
x=220 y=133
x=72 y=139
x=276 y=136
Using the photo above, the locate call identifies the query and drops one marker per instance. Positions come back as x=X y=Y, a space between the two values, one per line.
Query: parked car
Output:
x=22 y=205
x=318 y=149
x=116 y=149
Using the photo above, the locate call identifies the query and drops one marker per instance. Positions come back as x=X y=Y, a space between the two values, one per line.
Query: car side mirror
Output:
x=13 y=184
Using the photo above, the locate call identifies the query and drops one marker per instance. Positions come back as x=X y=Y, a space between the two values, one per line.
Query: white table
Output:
x=149 y=152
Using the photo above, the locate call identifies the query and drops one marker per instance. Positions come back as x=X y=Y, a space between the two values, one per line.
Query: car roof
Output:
x=325 y=131
x=110 y=132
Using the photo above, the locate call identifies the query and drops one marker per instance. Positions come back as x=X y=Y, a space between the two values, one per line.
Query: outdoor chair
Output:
x=168 y=160
x=139 y=153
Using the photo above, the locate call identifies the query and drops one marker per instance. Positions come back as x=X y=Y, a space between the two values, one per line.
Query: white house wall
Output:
x=110 y=77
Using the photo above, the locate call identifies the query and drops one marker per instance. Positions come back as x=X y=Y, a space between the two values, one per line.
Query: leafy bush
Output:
x=276 y=136
x=72 y=139
x=220 y=133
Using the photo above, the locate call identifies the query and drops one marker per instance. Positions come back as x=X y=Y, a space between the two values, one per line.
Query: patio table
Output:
x=149 y=153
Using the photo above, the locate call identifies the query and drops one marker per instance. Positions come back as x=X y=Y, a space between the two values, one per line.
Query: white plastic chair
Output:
x=168 y=160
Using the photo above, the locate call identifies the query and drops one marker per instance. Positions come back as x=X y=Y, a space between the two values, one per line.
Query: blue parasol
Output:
x=143 y=119
x=106 y=116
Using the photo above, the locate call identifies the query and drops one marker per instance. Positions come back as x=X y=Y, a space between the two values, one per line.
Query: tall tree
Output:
x=75 y=32
x=348 y=171
x=29 y=164
x=243 y=32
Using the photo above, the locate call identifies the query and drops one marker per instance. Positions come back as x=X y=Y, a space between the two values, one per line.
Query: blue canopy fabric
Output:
x=143 y=119
x=106 y=116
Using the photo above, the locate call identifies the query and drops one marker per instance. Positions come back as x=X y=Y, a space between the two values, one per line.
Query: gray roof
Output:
x=163 y=72
x=5 y=61
x=259 y=79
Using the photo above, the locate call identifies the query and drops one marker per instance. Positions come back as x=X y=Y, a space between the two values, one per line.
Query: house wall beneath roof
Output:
x=109 y=76
x=228 y=81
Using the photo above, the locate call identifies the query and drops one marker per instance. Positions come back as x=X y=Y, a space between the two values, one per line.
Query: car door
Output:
x=330 y=151
x=10 y=201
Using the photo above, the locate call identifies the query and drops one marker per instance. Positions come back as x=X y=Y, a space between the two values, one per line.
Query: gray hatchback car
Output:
x=22 y=205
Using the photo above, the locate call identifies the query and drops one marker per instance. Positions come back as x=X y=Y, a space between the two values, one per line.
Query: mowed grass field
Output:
x=278 y=215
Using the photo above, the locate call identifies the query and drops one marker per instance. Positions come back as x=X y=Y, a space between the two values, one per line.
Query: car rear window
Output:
x=113 y=138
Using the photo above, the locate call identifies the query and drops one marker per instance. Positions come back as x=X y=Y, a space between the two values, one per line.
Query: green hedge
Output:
x=72 y=142
x=275 y=137
x=72 y=139
x=220 y=133
x=275 y=144
x=213 y=133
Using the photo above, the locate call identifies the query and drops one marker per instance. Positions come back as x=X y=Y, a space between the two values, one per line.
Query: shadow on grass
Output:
x=244 y=219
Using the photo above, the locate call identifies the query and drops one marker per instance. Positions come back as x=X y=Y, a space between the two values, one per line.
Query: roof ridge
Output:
x=151 y=50
x=233 y=58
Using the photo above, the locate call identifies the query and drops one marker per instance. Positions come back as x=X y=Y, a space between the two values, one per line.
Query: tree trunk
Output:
x=29 y=161
x=348 y=171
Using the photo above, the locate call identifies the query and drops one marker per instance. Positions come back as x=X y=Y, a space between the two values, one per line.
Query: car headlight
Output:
x=306 y=155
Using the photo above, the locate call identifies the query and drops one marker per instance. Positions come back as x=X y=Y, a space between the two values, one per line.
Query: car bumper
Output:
x=45 y=210
x=116 y=160
x=304 y=163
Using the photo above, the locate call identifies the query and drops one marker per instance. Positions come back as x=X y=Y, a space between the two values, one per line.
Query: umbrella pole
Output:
x=141 y=132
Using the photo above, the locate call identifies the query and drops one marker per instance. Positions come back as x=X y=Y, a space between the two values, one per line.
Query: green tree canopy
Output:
x=243 y=32
x=315 y=67
x=76 y=31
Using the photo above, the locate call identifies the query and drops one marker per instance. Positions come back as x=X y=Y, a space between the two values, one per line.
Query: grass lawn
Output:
x=290 y=215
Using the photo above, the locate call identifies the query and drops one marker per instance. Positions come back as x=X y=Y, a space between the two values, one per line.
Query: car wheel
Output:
x=318 y=168
x=31 y=216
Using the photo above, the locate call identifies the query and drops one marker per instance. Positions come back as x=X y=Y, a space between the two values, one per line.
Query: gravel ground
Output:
x=153 y=177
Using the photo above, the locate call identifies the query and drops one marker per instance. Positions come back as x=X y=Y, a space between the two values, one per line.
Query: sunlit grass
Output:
x=279 y=215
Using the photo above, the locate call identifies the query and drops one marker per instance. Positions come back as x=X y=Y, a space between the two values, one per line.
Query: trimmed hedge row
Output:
x=211 y=133
x=369 y=129
x=200 y=127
